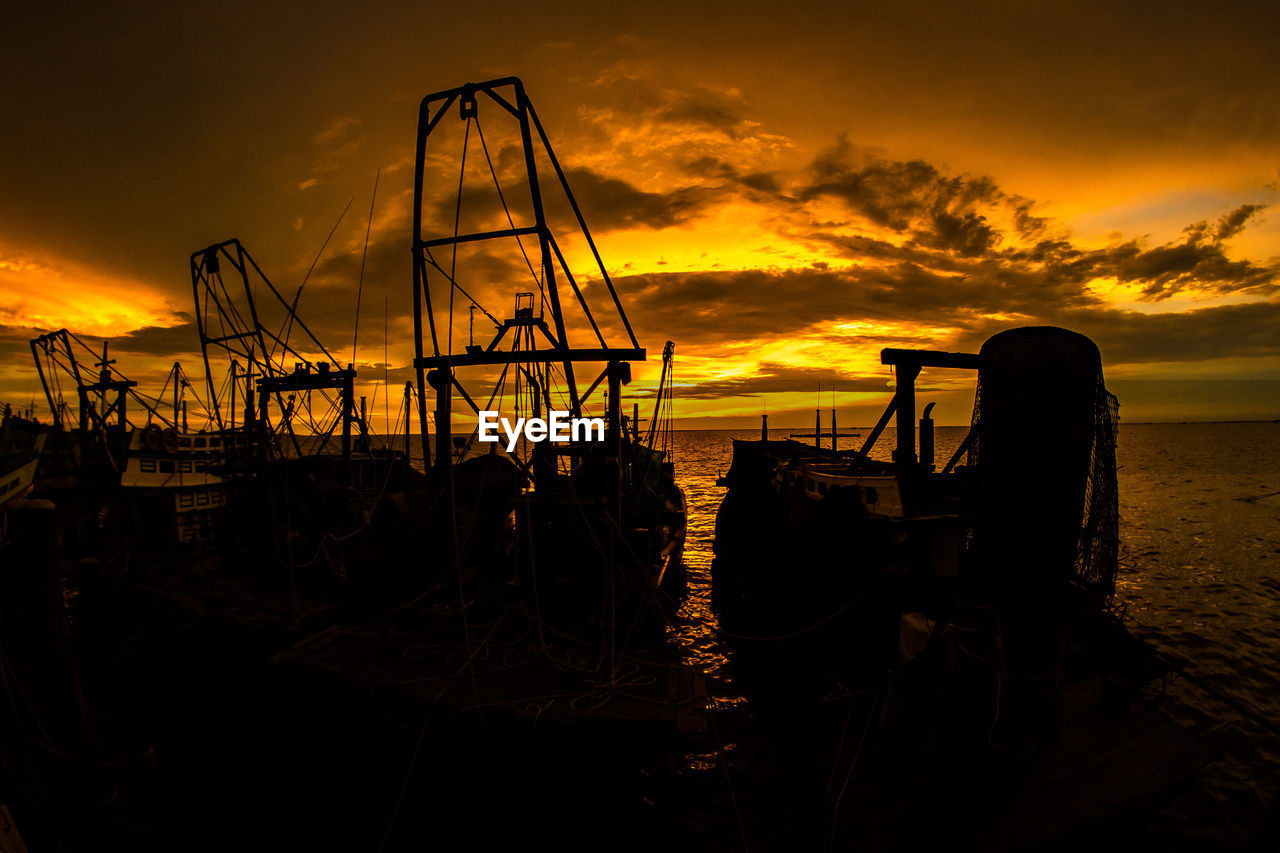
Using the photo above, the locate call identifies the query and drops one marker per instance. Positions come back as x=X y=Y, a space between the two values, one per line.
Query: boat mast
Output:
x=440 y=367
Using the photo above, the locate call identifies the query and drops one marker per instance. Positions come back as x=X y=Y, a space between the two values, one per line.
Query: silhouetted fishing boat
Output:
x=312 y=491
x=599 y=523
x=124 y=459
x=962 y=610
x=18 y=462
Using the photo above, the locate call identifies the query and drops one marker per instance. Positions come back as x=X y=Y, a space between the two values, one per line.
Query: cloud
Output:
x=610 y=203
x=169 y=341
x=902 y=195
x=645 y=126
x=337 y=128
x=774 y=378
x=607 y=203
x=967 y=224
x=1198 y=262
x=1225 y=331
x=708 y=166
x=708 y=309
x=719 y=110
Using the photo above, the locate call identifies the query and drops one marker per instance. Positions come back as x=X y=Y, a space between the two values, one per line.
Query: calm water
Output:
x=1200 y=579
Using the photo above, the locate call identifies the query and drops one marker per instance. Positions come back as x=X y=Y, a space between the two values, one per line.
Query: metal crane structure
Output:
x=255 y=333
x=494 y=223
x=538 y=362
x=107 y=402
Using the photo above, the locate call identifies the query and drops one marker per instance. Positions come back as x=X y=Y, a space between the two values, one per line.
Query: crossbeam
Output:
x=533 y=356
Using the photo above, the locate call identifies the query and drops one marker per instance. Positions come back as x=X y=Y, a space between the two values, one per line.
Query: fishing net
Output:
x=1098 y=549
x=1044 y=444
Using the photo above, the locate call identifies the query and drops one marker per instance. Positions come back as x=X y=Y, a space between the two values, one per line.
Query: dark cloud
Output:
x=1198 y=262
x=1233 y=223
x=168 y=341
x=610 y=203
x=725 y=112
x=903 y=195
x=387 y=260
x=713 y=167
x=719 y=307
x=1227 y=331
x=948 y=219
x=709 y=308
x=607 y=203
x=968 y=234
x=774 y=378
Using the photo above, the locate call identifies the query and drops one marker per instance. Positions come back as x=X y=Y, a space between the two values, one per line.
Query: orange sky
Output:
x=781 y=194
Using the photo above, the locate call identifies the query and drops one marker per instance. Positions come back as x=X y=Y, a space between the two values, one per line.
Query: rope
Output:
x=355 y=337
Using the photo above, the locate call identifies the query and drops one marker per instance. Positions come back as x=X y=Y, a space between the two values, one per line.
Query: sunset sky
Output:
x=782 y=190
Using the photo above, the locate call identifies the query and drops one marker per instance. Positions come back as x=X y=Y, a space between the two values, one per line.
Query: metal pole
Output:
x=419 y=285
x=348 y=392
x=234 y=366
x=364 y=426
x=544 y=233
x=615 y=404
x=408 y=419
x=906 y=373
x=441 y=379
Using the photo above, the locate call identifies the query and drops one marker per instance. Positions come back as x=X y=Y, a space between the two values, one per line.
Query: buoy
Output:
x=170 y=439
x=151 y=437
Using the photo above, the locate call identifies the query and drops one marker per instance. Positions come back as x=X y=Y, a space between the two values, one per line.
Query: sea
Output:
x=1199 y=580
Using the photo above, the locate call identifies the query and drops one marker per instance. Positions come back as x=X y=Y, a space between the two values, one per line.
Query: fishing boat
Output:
x=127 y=459
x=598 y=525
x=958 y=611
x=19 y=459
x=540 y=653
x=298 y=448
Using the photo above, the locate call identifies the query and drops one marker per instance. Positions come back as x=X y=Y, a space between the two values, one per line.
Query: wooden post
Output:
x=764 y=427
x=441 y=379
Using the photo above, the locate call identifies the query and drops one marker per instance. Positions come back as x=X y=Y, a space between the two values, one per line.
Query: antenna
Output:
x=386 y=367
x=363 y=255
